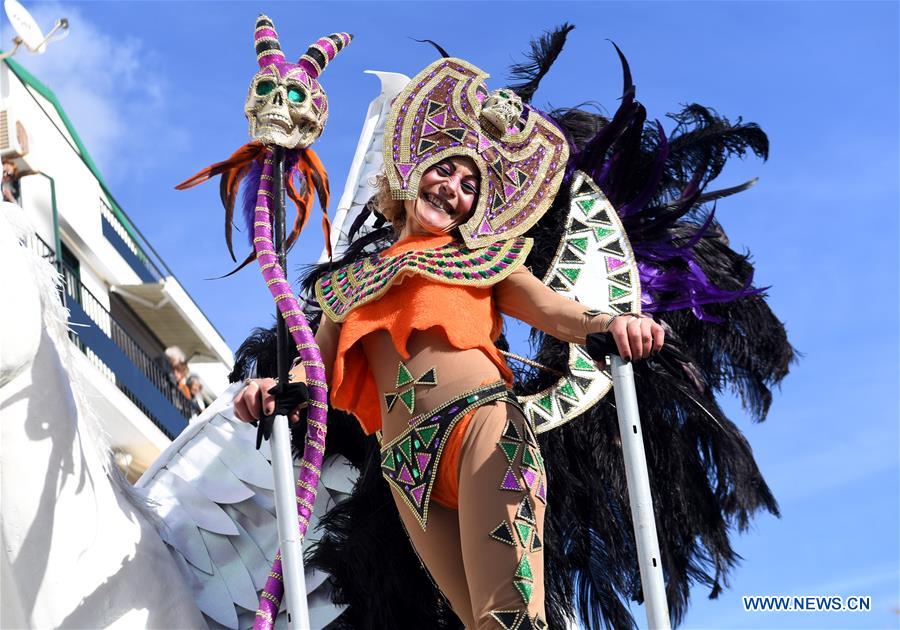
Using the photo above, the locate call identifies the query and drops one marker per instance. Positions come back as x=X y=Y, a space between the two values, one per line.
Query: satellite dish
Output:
x=26 y=26
x=27 y=30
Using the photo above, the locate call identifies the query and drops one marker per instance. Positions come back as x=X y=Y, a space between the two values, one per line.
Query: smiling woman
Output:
x=410 y=336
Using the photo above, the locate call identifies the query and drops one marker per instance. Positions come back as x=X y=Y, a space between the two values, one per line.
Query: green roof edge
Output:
x=47 y=93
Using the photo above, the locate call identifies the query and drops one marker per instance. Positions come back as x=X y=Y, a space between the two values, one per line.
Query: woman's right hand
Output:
x=255 y=400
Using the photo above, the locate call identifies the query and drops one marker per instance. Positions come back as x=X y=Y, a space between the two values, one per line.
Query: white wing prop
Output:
x=366 y=165
x=595 y=265
x=212 y=492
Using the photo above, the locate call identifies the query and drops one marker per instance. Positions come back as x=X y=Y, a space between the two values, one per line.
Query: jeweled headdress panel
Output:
x=447 y=110
x=286 y=104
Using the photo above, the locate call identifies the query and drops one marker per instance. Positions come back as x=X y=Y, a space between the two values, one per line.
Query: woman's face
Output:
x=448 y=192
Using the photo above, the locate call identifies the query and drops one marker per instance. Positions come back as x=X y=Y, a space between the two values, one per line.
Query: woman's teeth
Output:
x=438 y=203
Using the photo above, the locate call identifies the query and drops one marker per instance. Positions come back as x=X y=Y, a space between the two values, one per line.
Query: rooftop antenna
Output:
x=27 y=30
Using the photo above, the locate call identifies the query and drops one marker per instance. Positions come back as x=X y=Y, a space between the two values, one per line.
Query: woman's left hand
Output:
x=636 y=337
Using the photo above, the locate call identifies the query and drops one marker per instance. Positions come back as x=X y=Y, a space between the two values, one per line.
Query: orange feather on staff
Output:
x=313 y=181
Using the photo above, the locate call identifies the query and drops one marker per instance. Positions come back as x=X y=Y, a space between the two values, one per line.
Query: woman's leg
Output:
x=439 y=549
x=502 y=495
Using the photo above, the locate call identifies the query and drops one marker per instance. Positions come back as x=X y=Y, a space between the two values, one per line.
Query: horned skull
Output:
x=502 y=109
x=286 y=105
x=281 y=111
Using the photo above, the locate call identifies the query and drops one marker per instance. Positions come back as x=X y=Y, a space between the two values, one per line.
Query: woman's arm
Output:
x=526 y=298
x=327 y=339
x=255 y=396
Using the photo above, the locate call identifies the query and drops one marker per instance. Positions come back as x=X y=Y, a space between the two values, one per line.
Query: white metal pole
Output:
x=639 y=495
x=282 y=462
x=288 y=526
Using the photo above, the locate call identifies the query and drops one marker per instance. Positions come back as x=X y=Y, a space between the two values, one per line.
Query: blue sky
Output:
x=156 y=91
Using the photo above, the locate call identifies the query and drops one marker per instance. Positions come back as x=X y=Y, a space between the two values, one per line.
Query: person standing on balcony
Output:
x=173 y=357
x=11 y=191
x=195 y=387
x=173 y=364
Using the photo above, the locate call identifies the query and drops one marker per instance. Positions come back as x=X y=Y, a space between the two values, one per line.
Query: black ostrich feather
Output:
x=443 y=53
x=544 y=52
x=704 y=479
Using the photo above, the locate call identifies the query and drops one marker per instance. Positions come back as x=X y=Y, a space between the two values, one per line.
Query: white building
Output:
x=126 y=305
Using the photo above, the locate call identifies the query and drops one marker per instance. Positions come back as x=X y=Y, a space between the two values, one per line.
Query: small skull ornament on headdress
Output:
x=502 y=109
x=286 y=105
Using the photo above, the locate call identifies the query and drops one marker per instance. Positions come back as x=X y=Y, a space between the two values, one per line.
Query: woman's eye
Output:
x=443 y=170
x=470 y=188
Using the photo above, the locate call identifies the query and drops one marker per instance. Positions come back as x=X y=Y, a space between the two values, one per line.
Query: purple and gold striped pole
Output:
x=291 y=320
x=293 y=519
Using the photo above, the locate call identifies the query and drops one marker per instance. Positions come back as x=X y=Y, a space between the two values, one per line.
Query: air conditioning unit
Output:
x=13 y=137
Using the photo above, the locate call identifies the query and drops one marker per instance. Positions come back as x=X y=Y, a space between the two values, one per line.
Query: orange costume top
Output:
x=412 y=303
x=418 y=301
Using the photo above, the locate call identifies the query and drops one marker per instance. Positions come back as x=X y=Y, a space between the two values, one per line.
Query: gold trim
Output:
x=271 y=598
x=265 y=615
x=269 y=53
x=310 y=466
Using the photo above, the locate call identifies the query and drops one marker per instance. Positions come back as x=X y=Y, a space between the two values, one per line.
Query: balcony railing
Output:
x=117 y=355
x=126 y=246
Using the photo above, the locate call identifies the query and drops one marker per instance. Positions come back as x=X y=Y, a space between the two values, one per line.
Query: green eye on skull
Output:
x=264 y=87
x=296 y=95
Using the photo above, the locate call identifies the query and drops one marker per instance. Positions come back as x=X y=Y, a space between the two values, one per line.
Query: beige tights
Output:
x=475 y=554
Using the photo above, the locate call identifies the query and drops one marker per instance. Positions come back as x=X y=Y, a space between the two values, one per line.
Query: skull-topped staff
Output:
x=286 y=109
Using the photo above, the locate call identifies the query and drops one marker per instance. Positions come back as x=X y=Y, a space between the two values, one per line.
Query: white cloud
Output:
x=813 y=471
x=109 y=88
x=860 y=582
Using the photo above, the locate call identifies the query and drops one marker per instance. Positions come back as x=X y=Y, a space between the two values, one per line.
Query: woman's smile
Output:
x=438 y=203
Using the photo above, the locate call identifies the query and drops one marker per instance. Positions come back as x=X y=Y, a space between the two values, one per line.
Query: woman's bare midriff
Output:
x=457 y=371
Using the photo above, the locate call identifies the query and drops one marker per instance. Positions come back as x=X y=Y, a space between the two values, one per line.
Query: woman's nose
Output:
x=450 y=186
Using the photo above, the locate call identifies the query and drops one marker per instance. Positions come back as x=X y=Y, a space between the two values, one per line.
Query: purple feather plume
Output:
x=671 y=278
x=250 y=187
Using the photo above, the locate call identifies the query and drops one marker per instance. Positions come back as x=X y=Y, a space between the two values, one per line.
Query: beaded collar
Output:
x=363 y=281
